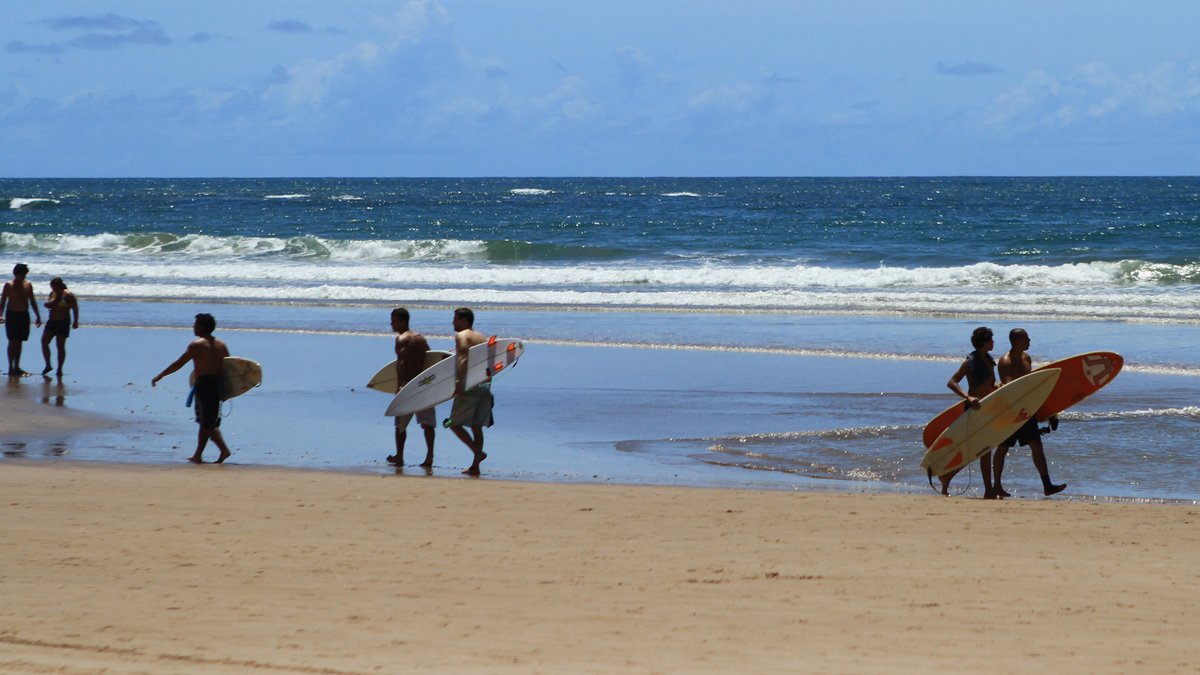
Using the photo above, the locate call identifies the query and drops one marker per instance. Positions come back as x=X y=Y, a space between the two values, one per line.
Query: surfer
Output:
x=16 y=300
x=472 y=407
x=207 y=355
x=979 y=369
x=1015 y=363
x=61 y=305
x=411 y=348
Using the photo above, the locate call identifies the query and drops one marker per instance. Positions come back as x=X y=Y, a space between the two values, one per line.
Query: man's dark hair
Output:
x=466 y=315
x=980 y=336
x=206 y=322
x=1015 y=334
x=21 y=268
x=400 y=314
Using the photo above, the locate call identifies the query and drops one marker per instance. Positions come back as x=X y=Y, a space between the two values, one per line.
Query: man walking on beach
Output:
x=472 y=407
x=411 y=348
x=15 y=302
x=1014 y=364
x=207 y=355
x=979 y=369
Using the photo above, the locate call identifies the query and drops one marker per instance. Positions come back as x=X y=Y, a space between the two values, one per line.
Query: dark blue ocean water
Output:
x=1087 y=247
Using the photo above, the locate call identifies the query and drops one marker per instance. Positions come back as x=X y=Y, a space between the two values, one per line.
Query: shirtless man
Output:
x=61 y=305
x=207 y=355
x=979 y=369
x=1014 y=364
x=472 y=407
x=15 y=302
x=411 y=348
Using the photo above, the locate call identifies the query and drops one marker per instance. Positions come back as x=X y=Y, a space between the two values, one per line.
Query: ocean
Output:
x=854 y=280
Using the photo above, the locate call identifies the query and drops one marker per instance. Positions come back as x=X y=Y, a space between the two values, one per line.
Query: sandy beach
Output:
x=126 y=569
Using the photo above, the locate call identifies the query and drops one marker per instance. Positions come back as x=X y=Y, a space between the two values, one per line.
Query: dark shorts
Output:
x=59 y=327
x=1025 y=434
x=208 y=401
x=16 y=325
x=472 y=409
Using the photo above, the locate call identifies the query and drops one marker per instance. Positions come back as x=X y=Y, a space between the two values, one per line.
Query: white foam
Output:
x=288 y=196
x=530 y=191
x=347 y=198
x=680 y=194
x=31 y=202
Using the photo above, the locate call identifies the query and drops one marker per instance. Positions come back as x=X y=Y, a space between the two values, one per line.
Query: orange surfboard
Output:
x=1080 y=376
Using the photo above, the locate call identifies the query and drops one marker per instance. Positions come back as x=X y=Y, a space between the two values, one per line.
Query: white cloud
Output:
x=1096 y=93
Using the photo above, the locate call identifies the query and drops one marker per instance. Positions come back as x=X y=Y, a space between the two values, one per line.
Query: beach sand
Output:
x=184 y=569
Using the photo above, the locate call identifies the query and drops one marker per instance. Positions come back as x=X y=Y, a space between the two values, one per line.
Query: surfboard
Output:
x=436 y=384
x=385 y=379
x=998 y=416
x=238 y=376
x=1082 y=375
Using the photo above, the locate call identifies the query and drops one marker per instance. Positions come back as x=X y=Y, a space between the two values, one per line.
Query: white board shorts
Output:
x=426 y=418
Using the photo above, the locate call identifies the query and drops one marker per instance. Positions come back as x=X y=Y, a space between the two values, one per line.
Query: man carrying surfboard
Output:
x=472 y=407
x=411 y=348
x=207 y=355
x=1015 y=363
x=979 y=369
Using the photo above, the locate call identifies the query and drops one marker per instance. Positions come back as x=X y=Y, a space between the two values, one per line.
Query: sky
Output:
x=447 y=88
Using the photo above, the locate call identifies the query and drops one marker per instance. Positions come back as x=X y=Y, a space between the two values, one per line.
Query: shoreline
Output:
x=627 y=415
x=311 y=571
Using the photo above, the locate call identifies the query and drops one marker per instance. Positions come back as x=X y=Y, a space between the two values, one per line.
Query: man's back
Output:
x=208 y=354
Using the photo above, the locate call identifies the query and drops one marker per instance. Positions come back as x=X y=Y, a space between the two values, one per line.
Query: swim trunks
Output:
x=59 y=327
x=208 y=401
x=426 y=418
x=16 y=325
x=473 y=408
x=1028 y=432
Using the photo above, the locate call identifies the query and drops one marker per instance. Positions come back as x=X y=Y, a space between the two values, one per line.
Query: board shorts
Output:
x=426 y=418
x=1026 y=434
x=16 y=325
x=59 y=327
x=473 y=408
x=208 y=401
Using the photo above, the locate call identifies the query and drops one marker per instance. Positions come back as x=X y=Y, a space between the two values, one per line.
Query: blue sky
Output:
x=599 y=88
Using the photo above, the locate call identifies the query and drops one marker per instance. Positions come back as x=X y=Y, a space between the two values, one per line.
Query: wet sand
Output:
x=183 y=569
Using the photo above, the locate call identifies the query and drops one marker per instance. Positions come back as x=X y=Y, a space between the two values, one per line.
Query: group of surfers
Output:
x=472 y=409
x=979 y=369
x=470 y=414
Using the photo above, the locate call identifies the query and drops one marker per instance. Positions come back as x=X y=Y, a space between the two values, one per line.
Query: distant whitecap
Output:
x=32 y=202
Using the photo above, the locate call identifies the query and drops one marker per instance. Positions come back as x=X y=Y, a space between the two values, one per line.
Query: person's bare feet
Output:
x=1055 y=489
x=473 y=470
x=195 y=459
x=224 y=456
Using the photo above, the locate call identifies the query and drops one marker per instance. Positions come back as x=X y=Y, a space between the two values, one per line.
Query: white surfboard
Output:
x=238 y=376
x=436 y=384
x=999 y=415
x=385 y=380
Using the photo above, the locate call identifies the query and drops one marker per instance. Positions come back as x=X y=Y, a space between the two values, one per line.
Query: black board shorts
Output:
x=16 y=325
x=59 y=327
x=1028 y=432
x=208 y=401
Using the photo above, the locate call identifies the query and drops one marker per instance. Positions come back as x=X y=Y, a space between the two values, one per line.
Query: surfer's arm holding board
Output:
x=959 y=374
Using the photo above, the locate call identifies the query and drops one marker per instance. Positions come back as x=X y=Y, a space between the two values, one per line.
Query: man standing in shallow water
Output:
x=15 y=302
x=207 y=355
x=411 y=348
x=472 y=407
